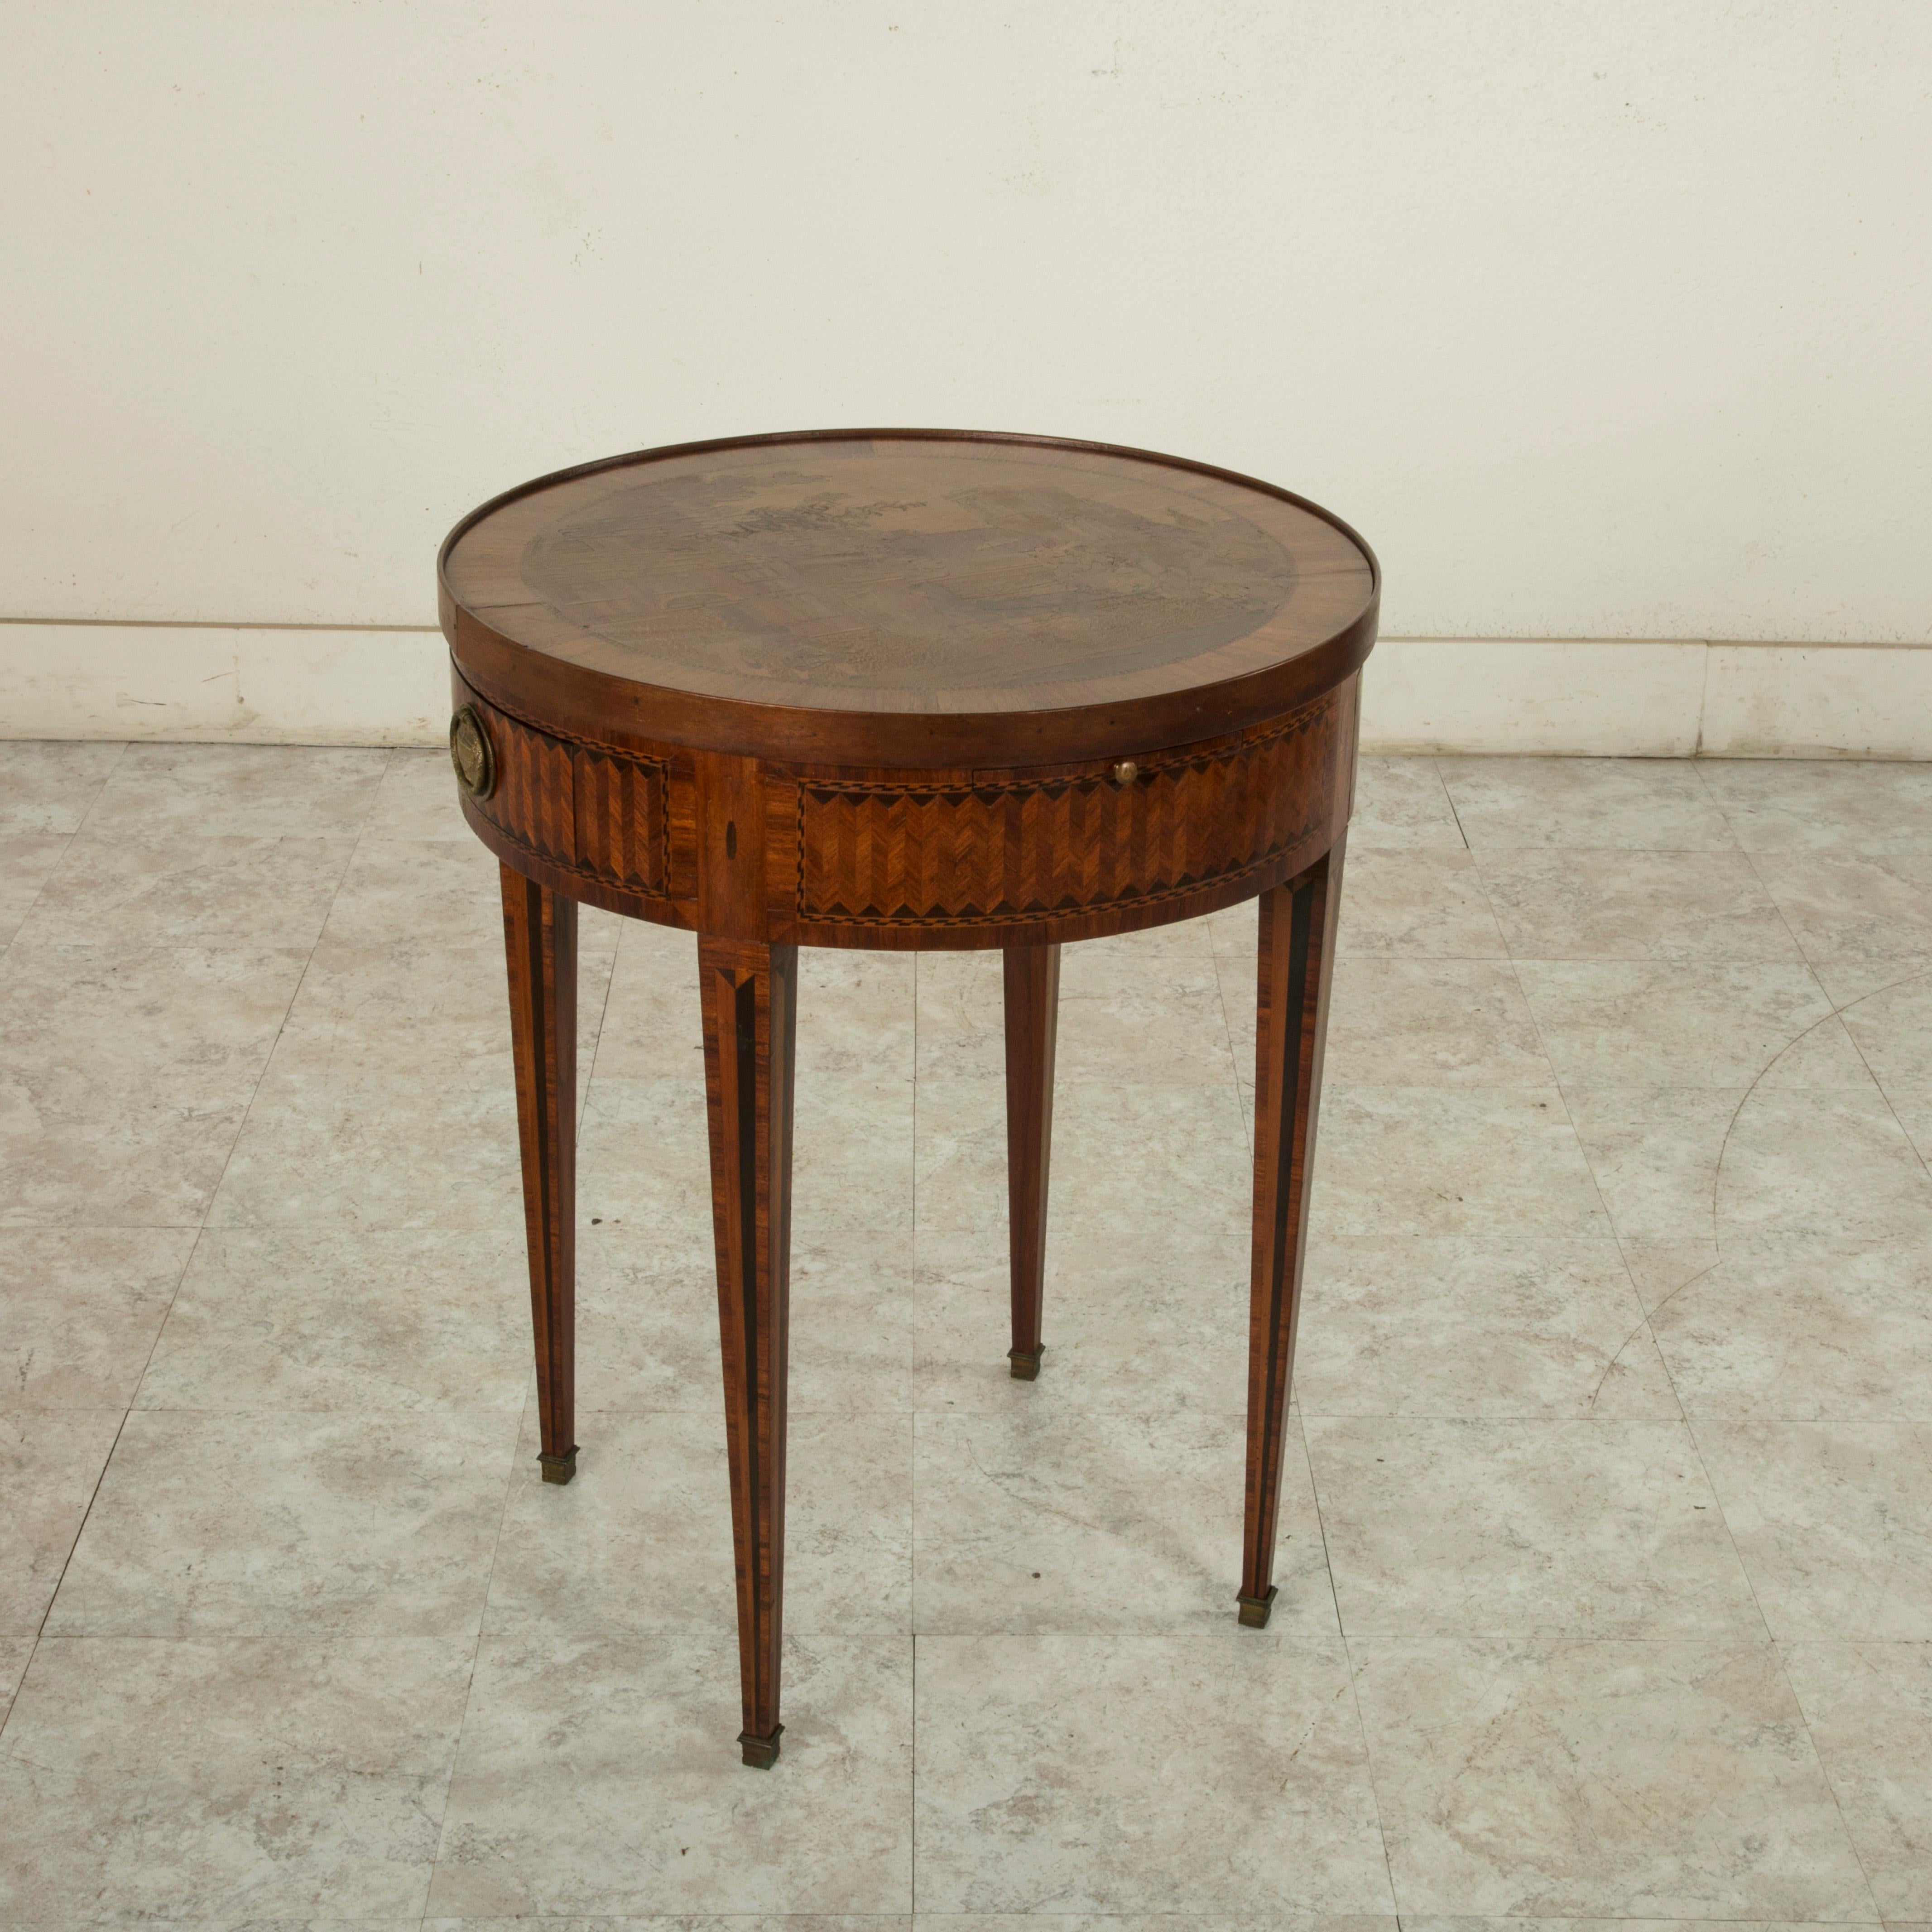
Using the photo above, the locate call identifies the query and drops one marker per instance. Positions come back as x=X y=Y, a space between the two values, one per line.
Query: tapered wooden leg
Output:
x=1297 y=950
x=540 y=944
x=1033 y=1017
x=750 y=995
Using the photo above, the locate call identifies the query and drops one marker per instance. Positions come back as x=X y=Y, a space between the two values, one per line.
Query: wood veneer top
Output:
x=919 y=573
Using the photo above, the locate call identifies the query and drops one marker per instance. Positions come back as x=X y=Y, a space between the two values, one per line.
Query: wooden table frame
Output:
x=759 y=850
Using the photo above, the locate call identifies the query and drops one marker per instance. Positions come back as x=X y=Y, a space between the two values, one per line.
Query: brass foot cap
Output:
x=1024 y=1362
x=761 y=1754
x=559 y=1468
x=1254 y=1609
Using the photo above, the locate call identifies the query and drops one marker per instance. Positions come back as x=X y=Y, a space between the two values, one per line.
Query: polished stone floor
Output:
x=1606 y=1555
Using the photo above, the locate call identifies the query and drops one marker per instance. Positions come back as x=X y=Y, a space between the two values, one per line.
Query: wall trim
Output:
x=1648 y=698
x=290 y=684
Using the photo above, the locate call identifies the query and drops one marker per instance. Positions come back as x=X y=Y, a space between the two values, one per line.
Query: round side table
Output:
x=901 y=688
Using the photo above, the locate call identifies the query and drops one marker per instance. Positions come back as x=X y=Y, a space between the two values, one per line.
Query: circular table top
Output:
x=908 y=596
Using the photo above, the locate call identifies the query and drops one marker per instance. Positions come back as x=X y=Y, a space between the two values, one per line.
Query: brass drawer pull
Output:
x=469 y=752
x=1126 y=771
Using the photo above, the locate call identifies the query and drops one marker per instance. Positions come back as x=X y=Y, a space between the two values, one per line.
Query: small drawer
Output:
x=1011 y=848
x=590 y=811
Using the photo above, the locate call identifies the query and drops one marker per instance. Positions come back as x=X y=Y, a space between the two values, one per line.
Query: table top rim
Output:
x=907 y=733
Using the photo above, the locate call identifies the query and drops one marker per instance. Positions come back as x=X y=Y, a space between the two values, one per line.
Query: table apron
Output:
x=755 y=850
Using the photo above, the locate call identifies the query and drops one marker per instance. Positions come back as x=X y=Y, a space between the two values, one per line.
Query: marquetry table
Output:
x=908 y=688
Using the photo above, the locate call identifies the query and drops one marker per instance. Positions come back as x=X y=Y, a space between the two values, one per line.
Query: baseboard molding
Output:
x=1640 y=698
x=269 y=685
x=223 y=684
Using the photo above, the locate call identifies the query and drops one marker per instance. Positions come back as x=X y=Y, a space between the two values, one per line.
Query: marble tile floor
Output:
x=1607 y=1555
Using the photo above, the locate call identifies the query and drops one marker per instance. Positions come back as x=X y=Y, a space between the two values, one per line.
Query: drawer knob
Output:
x=469 y=752
x=1126 y=771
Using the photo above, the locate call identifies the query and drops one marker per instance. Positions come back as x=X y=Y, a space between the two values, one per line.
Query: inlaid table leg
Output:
x=750 y=996
x=1298 y=951
x=540 y=945
x=1032 y=1022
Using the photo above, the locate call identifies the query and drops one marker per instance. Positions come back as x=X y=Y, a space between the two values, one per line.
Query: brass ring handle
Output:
x=470 y=753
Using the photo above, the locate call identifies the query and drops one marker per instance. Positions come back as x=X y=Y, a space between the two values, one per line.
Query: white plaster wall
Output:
x=1601 y=321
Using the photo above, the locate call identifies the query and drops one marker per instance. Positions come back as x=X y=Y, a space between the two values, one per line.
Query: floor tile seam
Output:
x=1557 y=1631
x=268 y=1058
x=1643 y=1328
x=20 y=925
x=1216 y=1629
x=1355 y=1684
x=114 y=764
x=994 y=1079
x=163 y=838
x=1714 y=1086
x=1714 y=965
x=597 y=1039
x=1717 y=1174
x=1811 y=965
x=1509 y=958
x=1528 y=1635
x=1537 y=1637
x=1646 y=958
x=1723 y=1516
x=1853 y=1643
x=451 y=1227
x=1582 y=845
x=40 y=1629
x=294 y=1630
x=147 y=1361
x=1139 y=1414
x=326 y=1639
x=1714 y=1417
x=1838 y=1013
x=1322 y=1524
x=1518 y=1084
x=1625 y=1918
x=1356 y=954
x=1234 y=1059
x=1649 y=1312
x=1824 y=1772
x=1772 y=1643
x=1449 y=799
x=475 y=1655
x=1543 y=1419
x=94 y=1227
x=1764 y=885
x=1208 y=1627
x=714 y=1412
x=1717 y=1419
x=1643 y=1325
x=419 y=1413
x=1637 y=849
x=1475 y=1420
x=188 y=1261
x=995 y=1414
